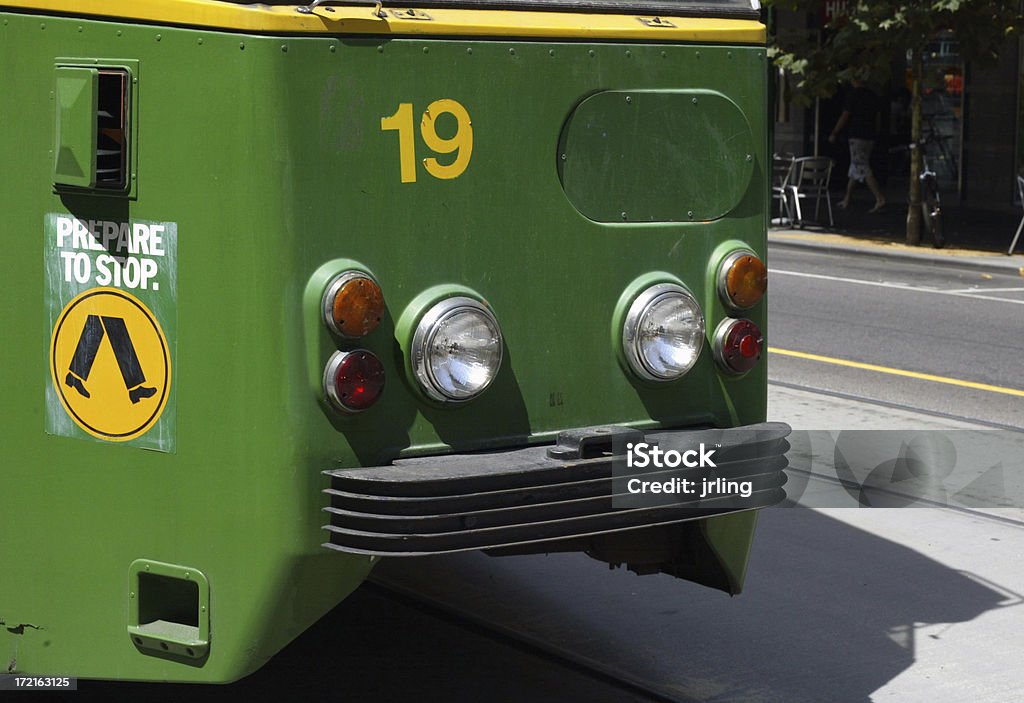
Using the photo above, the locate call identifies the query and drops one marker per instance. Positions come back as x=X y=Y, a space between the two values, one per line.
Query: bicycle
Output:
x=931 y=203
x=931 y=200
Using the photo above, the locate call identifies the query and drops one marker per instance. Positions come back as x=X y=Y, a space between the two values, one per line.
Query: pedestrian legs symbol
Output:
x=96 y=328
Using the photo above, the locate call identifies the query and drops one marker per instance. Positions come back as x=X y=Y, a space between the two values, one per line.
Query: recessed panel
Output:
x=656 y=156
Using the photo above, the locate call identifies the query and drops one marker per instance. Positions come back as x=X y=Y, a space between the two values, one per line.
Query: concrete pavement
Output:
x=858 y=245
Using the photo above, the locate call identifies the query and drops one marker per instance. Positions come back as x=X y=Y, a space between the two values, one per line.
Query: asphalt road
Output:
x=960 y=324
x=844 y=605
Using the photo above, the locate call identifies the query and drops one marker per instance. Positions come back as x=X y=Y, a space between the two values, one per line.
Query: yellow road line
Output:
x=896 y=372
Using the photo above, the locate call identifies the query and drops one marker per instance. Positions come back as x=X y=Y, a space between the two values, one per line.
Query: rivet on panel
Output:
x=592 y=54
x=728 y=55
x=119 y=32
x=512 y=51
x=333 y=48
x=629 y=99
x=426 y=50
x=695 y=101
x=469 y=50
x=698 y=54
x=79 y=28
x=629 y=54
x=551 y=52
x=564 y=157
x=284 y=48
x=241 y=45
x=380 y=48
x=664 y=54
x=750 y=157
x=42 y=26
x=623 y=215
x=158 y=37
x=689 y=213
x=199 y=41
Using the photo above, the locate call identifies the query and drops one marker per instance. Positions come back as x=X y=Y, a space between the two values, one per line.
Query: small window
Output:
x=112 y=130
x=92 y=128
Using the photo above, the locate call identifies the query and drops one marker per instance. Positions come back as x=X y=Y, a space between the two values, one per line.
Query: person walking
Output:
x=861 y=119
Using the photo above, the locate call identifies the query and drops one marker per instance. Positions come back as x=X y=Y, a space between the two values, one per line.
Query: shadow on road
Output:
x=830 y=613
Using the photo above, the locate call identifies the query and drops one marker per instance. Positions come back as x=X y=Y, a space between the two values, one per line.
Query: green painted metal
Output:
x=169 y=610
x=656 y=156
x=730 y=538
x=268 y=156
x=77 y=91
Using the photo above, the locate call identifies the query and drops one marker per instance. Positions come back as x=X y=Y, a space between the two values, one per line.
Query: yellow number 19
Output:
x=461 y=144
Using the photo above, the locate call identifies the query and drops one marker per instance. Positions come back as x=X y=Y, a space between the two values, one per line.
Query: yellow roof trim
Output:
x=348 y=19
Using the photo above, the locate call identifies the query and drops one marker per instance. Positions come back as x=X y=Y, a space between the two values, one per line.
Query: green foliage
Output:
x=872 y=36
x=864 y=42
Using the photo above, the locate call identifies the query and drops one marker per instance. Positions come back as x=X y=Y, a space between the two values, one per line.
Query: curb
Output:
x=1002 y=265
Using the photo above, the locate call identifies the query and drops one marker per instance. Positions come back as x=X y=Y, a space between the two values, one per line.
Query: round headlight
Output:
x=663 y=332
x=456 y=349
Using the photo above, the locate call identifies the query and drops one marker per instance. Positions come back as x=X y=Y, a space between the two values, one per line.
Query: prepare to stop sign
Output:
x=130 y=252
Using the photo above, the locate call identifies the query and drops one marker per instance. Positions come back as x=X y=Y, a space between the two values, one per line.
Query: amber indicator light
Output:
x=745 y=281
x=353 y=305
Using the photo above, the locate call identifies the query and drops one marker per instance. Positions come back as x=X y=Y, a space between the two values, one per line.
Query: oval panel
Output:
x=655 y=156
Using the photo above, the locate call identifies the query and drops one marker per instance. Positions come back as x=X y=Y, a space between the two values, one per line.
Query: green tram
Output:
x=295 y=288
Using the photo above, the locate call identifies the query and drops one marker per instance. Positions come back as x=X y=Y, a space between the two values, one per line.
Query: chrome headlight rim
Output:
x=426 y=330
x=637 y=311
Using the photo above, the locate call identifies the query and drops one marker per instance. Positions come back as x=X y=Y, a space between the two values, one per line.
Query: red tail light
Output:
x=353 y=381
x=738 y=345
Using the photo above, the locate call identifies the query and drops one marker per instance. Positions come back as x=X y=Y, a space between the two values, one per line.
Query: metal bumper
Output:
x=453 y=503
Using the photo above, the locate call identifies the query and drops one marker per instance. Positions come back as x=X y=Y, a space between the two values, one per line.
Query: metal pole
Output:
x=817 y=123
x=817 y=109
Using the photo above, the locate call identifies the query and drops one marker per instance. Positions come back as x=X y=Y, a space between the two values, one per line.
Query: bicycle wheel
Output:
x=931 y=215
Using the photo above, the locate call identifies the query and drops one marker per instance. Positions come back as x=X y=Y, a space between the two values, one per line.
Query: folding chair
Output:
x=782 y=171
x=810 y=179
x=1020 y=194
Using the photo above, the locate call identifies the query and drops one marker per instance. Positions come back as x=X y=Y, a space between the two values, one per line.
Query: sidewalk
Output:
x=860 y=245
x=975 y=237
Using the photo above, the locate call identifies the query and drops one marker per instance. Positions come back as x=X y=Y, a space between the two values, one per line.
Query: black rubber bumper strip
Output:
x=441 y=504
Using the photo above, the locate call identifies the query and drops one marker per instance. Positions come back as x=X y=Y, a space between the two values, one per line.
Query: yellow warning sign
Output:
x=110 y=364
